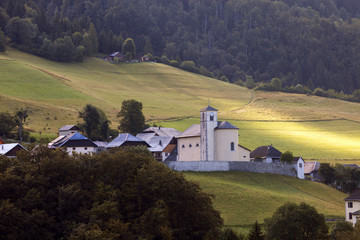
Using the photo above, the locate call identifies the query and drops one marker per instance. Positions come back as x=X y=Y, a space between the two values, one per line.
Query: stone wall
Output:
x=210 y=166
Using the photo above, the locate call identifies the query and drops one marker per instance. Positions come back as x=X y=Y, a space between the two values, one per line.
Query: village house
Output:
x=352 y=207
x=10 y=149
x=67 y=130
x=126 y=140
x=211 y=140
x=267 y=154
x=74 y=142
x=162 y=141
x=311 y=170
x=115 y=57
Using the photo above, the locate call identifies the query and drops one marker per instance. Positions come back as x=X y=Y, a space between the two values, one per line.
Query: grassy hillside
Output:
x=243 y=198
x=310 y=126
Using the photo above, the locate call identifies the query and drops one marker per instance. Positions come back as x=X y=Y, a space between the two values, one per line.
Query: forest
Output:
x=314 y=43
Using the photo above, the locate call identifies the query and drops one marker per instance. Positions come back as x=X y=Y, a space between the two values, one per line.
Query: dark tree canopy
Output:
x=129 y=49
x=96 y=124
x=132 y=119
x=306 y=44
x=47 y=194
x=287 y=157
x=296 y=222
x=7 y=123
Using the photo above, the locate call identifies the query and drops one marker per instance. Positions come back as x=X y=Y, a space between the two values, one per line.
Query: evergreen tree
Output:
x=132 y=119
x=255 y=232
x=2 y=41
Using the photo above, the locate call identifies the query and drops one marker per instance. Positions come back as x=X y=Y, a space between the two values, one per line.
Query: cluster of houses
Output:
x=119 y=57
x=209 y=141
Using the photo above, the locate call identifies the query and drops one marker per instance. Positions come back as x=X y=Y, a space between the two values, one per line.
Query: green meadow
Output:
x=242 y=197
x=312 y=127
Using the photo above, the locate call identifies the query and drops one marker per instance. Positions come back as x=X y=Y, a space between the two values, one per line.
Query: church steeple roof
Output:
x=208 y=108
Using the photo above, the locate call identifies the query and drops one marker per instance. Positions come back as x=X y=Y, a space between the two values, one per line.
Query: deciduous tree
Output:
x=296 y=222
x=132 y=119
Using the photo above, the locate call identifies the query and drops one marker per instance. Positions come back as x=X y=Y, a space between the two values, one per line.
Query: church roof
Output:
x=225 y=125
x=193 y=131
x=208 y=108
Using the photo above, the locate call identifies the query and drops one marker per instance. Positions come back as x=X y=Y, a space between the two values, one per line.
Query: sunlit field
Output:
x=243 y=198
x=312 y=127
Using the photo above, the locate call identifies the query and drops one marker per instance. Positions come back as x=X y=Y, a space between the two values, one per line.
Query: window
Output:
x=232 y=146
x=166 y=154
x=350 y=215
x=350 y=204
x=197 y=145
x=300 y=165
x=190 y=145
x=183 y=146
x=85 y=148
x=74 y=149
x=211 y=116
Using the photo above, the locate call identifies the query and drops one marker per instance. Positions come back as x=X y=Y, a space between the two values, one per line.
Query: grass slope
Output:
x=313 y=127
x=243 y=197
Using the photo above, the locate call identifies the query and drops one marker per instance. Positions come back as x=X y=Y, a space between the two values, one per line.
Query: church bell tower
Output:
x=208 y=124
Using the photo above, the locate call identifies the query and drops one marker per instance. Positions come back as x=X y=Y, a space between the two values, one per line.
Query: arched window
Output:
x=183 y=146
x=197 y=145
x=211 y=116
x=190 y=145
x=232 y=146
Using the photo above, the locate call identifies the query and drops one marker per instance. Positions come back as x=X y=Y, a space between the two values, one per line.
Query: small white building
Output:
x=68 y=129
x=352 y=207
x=211 y=140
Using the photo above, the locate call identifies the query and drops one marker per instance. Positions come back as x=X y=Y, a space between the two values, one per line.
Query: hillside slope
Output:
x=243 y=198
x=310 y=126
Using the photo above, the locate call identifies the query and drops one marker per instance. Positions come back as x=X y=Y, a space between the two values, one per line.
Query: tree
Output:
x=276 y=83
x=48 y=194
x=21 y=117
x=255 y=232
x=132 y=119
x=129 y=48
x=2 y=41
x=7 y=123
x=327 y=173
x=21 y=31
x=287 y=157
x=349 y=235
x=148 y=48
x=96 y=124
x=340 y=227
x=296 y=222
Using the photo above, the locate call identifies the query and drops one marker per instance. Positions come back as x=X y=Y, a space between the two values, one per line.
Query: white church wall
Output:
x=224 y=138
x=189 y=149
x=244 y=155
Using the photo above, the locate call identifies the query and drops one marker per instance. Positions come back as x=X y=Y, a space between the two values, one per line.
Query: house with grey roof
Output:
x=211 y=140
x=352 y=207
x=74 y=142
x=126 y=140
x=311 y=170
x=10 y=149
x=68 y=129
x=266 y=154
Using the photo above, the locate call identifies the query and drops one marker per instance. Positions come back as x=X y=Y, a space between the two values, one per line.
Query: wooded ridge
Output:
x=314 y=43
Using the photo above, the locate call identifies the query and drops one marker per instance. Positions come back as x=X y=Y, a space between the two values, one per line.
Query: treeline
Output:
x=313 y=43
x=343 y=178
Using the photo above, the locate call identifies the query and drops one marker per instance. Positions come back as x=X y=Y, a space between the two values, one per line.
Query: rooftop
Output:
x=355 y=196
x=265 y=151
x=192 y=131
x=122 y=138
x=208 y=108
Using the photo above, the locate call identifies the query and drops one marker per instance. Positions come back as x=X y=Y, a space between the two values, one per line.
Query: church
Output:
x=211 y=140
